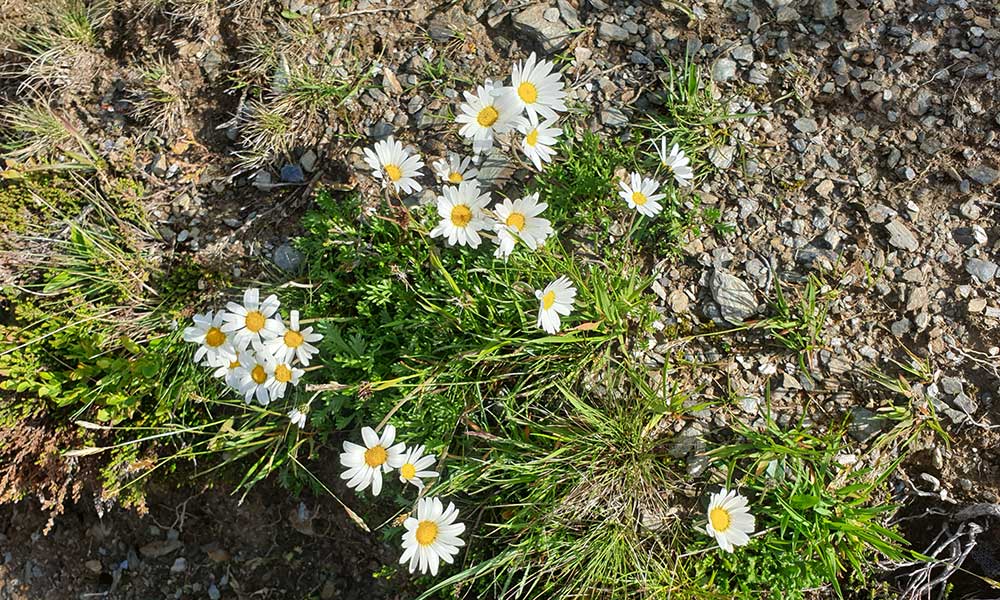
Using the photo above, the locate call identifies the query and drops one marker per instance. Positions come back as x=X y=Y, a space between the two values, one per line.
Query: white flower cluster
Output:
x=251 y=348
x=431 y=536
x=535 y=92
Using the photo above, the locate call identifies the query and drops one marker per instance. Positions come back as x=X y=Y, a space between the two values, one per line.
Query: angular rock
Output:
x=553 y=36
x=723 y=70
x=983 y=174
x=611 y=32
x=856 y=19
x=287 y=258
x=734 y=297
x=983 y=270
x=900 y=236
x=864 y=424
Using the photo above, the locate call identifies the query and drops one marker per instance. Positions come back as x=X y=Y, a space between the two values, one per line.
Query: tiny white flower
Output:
x=729 y=519
x=252 y=376
x=227 y=368
x=462 y=216
x=491 y=110
x=640 y=194
x=538 y=140
x=676 y=163
x=537 y=89
x=297 y=417
x=556 y=299
x=365 y=464
x=280 y=374
x=394 y=165
x=292 y=341
x=208 y=332
x=455 y=169
x=247 y=322
x=518 y=219
x=432 y=536
x=415 y=466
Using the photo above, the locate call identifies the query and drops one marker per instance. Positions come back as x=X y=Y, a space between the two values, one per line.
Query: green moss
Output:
x=34 y=200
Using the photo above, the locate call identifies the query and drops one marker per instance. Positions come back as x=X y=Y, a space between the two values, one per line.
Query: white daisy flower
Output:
x=280 y=373
x=252 y=376
x=394 y=165
x=292 y=341
x=676 y=163
x=519 y=219
x=365 y=464
x=297 y=417
x=640 y=194
x=729 y=519
x=414 y=467
x=462 y=216
x=538 y=140
x=208 y=331
x=432 y=536
x=537 y=89
x=455 y=169
x=556 y=299
x=227 y=368
x=247 y=322
x=491 y=110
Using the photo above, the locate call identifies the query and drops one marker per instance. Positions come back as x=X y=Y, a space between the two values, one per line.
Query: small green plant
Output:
x=158 y=101
x=60 y=50
x=799 y=327
x=43 y=140
x=820 y=509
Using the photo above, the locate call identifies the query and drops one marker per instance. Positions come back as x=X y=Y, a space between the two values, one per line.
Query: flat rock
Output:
x=864 y=424
x=723 y=70
x=611 y=32
x=900 y=236
x=983 y=270
x=159 y=548
x=806 y=125
x=287 y=258
x=535 y=22
x=856 y=19
x=983 y=174
x=734 y=297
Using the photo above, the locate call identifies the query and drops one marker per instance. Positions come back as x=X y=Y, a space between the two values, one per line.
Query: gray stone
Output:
x=743 y=53
x=179 y=566
x=735 y=297
x=951 y=385
x=901 y=327
x=639 y=58
x=786 y=14
x=964 y=404
x=553 y=36
x=970 y=209
x=856 y=19
x=723 y=70
x=921 y=46
x=826 y=9
x=613 y=117
x=213 y=592
x=380 y=131
x=983 y=174
x=287 y=258
x=806 y=125
x=920 y=102
x=983 y=270
x=864 y=424
x=308 y=160
x=722 y=156
x=900 y=236
x=611 y=32
x=496 y=169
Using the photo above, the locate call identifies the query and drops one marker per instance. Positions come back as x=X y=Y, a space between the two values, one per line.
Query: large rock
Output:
x=735 y=297
x=553 y=36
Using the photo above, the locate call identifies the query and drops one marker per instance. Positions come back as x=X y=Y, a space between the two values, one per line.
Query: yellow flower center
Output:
x=488 y=116
x=668 y=167
x=532 y=138
x=516 y=220
x=548 y=300
x=393 y=172
x=527 y=92
x=719 y=517
x=455 y=177
x=234 y=364
x=214 y=337
x=427 y=532
x=460 y=215
x=283 y=374
x=376 y=456
x=293 y=339
x=408 y=471
x=255 y=320
x=639 y=198
x=259 y=375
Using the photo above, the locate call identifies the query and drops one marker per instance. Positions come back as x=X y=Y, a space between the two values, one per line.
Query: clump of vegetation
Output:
x=60 y=49
x=40 y=138
x=158 y=100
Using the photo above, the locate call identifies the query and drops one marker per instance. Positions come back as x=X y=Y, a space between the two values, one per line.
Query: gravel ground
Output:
x=871 y=154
